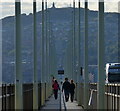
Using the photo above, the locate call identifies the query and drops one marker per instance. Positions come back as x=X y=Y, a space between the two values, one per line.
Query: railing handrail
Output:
x=108 y=84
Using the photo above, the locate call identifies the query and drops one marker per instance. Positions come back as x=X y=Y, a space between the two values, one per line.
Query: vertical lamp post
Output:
x=18 y=73
x=35 y=78
x=42 y=44
x=42 y=59
x=86 y=58
x=78 y=45
x=48 y=42
x=101 y=73
x=71 y=46
x=78 y=55
x=73 y=40
x=47 y=50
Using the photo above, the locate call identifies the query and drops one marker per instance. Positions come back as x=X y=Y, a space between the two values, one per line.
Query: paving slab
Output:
x=53 y=104
x=71 y=105
x=60 y=104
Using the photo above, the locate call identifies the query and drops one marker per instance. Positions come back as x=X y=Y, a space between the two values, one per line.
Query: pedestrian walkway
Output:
x=71 y=105
x=53 y=104
x=60 y=104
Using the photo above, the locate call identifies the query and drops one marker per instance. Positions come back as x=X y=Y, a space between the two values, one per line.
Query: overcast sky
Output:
x=7 y=7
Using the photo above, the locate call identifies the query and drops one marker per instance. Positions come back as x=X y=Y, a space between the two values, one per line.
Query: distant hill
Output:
x=61 y=19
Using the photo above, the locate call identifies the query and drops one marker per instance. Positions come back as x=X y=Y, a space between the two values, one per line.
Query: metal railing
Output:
x=8 y=96
x=112 y=96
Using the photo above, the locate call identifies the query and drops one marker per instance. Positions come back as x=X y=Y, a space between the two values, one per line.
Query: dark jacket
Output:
x=66 y=86
x=72 y=87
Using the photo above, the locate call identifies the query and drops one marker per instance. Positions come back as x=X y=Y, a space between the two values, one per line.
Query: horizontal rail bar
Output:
x=8 y=95
x=109 y=84
x=110 y=94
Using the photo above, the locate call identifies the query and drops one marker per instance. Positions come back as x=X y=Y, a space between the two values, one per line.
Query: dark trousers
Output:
x=66 y=95
x=56 y=94
x=71 y=96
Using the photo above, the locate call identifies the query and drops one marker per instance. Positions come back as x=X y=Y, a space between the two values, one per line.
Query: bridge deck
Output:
x=60 y=104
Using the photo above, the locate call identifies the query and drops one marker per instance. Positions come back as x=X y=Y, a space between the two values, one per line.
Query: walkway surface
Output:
x=60 y=104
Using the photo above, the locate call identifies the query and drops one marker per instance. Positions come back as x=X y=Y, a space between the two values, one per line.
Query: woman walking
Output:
x=55 y=89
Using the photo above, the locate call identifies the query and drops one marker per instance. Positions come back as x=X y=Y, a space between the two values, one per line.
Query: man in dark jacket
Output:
x=72 y=88
x=66 y=88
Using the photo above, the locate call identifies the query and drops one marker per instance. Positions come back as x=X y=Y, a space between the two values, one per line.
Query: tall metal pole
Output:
x=42 y=45
x=47 y=53
x=1 y=61
x=119 y=33
x=48 y=46
x=86 y=58
x=35 y=77
x=18 y=73
x=101 y=47
x=78 y=56
x=71 y=46
x=73 y=76
x=46 y=43
x=43 y=59
x=78 y=44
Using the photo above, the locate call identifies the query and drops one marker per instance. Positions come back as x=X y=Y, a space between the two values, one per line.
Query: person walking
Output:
x=72 y=88
x=53 y=80
x=55 y=89
x=65 y=87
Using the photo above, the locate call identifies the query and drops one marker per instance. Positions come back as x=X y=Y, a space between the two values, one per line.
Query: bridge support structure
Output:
x=18 y=73
x=86 y=58
x=35 y=80
x=101 y=62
